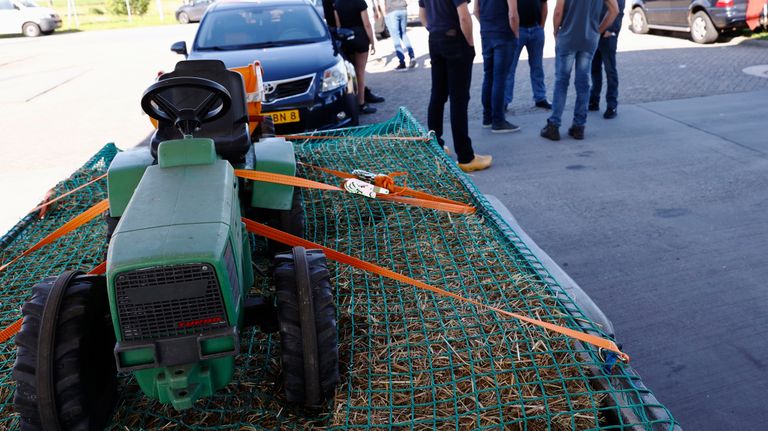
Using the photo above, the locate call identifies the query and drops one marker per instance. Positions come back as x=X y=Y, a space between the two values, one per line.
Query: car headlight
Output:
x=335 y=77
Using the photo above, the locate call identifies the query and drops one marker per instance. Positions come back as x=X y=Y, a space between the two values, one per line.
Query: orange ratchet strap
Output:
x=14 y=327
x=293 y=241
x=451 y=206
x=387 y=137
x=68 y=227
x=45 y=204
x=386 y=181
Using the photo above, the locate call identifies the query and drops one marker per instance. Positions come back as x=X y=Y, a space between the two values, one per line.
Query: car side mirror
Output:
x=180 y=48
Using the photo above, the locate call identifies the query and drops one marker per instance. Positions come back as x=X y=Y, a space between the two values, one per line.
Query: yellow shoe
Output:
x=477 y=164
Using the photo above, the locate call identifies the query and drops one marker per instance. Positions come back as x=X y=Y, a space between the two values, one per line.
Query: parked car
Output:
x=308 y=84
x=704 y=19
x=192 y=12
x=27 y=18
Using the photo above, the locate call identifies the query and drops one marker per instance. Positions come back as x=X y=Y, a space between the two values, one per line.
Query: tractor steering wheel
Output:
x=187 y=120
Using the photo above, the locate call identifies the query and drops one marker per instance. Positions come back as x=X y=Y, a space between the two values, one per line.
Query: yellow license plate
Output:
x=280 y=117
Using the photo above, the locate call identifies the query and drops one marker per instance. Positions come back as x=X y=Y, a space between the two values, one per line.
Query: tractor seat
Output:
x=230 y=132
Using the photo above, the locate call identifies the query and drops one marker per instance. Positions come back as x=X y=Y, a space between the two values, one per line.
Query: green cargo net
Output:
x=410 y=359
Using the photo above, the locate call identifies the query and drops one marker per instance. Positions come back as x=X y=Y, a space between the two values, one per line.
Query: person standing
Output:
x=499 y=23
x=577 y=31
x=396 y=18
x=533 y=15
x=605 y=57
x=353 y=14
x=451 y=51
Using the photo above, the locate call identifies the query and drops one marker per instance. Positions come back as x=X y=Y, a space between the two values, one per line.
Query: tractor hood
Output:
x=180 y=214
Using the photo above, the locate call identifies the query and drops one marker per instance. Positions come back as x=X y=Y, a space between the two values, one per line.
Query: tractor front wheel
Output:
x=308 y=338
x=65 y=370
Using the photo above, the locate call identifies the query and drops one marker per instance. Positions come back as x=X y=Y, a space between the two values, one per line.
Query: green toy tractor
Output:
x=174 y=300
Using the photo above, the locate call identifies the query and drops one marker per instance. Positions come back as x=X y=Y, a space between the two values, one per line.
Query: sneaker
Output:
x=401 y=68
x=372 y=98
x=447 y=150
x=576 y=132
x=593 y=106
x=486 y=124
x=543 y=104
x=551 y=132
x=610 y=113
x=505 y=127
x=477 y=164
x=367 y=109
x=412 y=63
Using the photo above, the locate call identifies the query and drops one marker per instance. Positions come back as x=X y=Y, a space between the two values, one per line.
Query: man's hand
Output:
x=465 y=22
x=514 y=17
x=608 y=33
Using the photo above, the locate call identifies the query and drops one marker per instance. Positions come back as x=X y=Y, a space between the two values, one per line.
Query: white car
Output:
x=27 y=18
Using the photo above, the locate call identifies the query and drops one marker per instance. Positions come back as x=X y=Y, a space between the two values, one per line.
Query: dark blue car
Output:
x=704 y=19
x=308 y=84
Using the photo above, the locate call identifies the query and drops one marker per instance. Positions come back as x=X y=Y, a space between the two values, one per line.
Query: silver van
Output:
x=27 y=18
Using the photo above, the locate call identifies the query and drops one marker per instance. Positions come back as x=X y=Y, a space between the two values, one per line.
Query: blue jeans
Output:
x=564 y=62
x=605 y=56
x=532 y=39
x=497 y=55
x=396 y=22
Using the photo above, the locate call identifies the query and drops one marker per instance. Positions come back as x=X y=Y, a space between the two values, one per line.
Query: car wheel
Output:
x=702 y=29
x=638 y=22
x=30 y=29
x=183 y=18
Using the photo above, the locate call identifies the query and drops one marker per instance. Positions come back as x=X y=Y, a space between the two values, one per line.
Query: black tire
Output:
x=31 y=29
x=353 y=110
x=111 y=225
x=267 y=127
x=702 y=28
x=308 y=337
x=638 y=23
x=65 y=371
x=48 y=33
x=292 y=221
x=183 y=18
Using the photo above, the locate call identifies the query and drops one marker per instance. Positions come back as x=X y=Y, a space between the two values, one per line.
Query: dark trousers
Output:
x=451 y=58
x=605 y=57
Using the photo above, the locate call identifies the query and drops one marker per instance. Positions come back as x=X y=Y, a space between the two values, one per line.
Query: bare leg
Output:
x=361 y=58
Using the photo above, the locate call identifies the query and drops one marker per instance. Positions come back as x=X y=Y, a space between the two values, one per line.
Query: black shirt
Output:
x=530 y=12
x=349 y=12
x=442 y=14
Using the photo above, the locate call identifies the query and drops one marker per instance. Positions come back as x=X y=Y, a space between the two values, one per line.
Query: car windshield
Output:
x=28 y=3
x=260 y=27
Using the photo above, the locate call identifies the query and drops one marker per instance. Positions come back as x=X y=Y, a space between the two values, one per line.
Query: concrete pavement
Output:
x=660 y=216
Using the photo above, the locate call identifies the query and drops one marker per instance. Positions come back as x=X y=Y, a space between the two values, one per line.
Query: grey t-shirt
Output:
x=393 y=5
x=580 y=25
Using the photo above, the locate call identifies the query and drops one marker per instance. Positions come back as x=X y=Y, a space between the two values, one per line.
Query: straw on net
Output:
x=410 y=359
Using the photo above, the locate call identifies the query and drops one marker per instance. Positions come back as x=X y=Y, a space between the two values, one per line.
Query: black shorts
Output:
x=361 y=43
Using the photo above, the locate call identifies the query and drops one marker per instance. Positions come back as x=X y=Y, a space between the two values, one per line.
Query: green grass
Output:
x=93 y=15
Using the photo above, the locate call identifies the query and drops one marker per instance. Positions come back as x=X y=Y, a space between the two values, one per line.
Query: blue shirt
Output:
x=494 y=18
x=442 y=15
x=580 y=25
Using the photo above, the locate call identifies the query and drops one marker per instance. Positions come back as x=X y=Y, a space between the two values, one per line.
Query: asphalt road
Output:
x=671 y=248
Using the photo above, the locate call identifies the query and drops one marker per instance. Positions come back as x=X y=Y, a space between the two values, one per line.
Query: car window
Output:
x=28 y=3
x=260 y=27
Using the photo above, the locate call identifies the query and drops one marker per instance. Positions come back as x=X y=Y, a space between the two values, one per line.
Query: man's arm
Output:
x=514 y=18
x=616 y=26
x=476 y=11
x=423 y=16
x=465 y=22
x=336 y=14
x=544 y=13
x=613 y=12
x=557 y=16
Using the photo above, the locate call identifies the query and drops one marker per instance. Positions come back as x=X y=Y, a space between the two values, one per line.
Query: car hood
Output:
x=279 y=62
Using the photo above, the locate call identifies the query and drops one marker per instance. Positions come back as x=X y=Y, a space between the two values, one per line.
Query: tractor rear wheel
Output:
x=292 y=221
x=65 y=371
x=308 y=338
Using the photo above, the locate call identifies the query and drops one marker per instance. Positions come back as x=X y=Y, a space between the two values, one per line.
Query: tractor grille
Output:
x=169 y=301
x=289 y=88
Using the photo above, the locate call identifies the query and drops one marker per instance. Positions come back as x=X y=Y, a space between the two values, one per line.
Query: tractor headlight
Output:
x=335 y=77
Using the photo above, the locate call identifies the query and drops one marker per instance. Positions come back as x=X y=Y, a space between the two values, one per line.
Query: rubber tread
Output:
x=83 y=375
x=290 y=326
